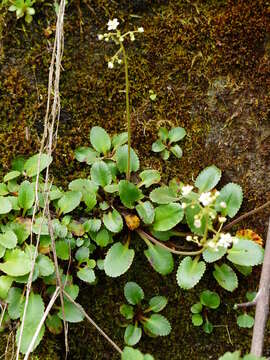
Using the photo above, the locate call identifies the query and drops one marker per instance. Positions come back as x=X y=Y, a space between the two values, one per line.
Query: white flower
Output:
x=211 y=244
x=132 y=37
x=222 y=219
x=140 y=29
x=223 y=204
x=110 y=65
x=119 y=61
x=121 y=39
x=100 y=37
x=206 y=198
x=197 y=223
x=184 y=205
x=112 y=24
x=189 y=238
x=225 y=240
x=186 y=189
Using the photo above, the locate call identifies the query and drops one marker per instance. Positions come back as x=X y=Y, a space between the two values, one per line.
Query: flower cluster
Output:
x=115 y=35
x=224 y=240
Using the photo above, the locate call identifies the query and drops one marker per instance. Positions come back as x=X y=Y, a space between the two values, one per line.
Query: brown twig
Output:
x=92 y=322
x=249 y=303
x=244 y=216
x=262 y=304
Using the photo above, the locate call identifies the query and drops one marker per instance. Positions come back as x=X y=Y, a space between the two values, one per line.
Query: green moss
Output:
x=209 y=65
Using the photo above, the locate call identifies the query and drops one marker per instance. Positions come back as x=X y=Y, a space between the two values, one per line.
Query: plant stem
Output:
x=146 y=237
x=127 y=108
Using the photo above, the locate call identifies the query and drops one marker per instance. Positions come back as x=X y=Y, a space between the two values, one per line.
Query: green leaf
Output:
x=176 y=134
x=45 y=265
x=85 y=186
x=163 y=195
x=250 y=295
x=100 y=139
x=5 y=205
x=226 y=277
x=208 y=327
x=54 y=324
x=118 y=260
x=86 y=274
x=210 y=299
x=17 y=263
x=189 y=272
x=160 y=259
x=113 y=221
x=12 y=175
x=146 y=212
x=72 y=313
x=119 y=139
x=86 y=154
x=165 y=154
x=122 y=159
x=157 y=325
x=149 y=177
x=232 y=195
x=133 y=293
x=129 y=193
x=231 y=356
x=31 y=165
x=69 y=201
x=244 y=270
x=167 y=216
x=208 y=178
x=211 y=255
x=3 y=189
x=245 y=253
x=26 y=195
x=245 y=321
x=14 y=301
x=131 y=354
x=92 y=225
x=8 y=239
x=191 y=212
x=157 y=303
x=5 y=284
x=163 y=134
x=103 y=238
x=62 y=249
x=196 y=308
x=127 y=311
x=197 y=319
x=132 y=335
x=100 y=173
x=82 y=254
x=158 y=146
x=72 y=290
x=34 y=313
x=177 y=151
x=18 y=163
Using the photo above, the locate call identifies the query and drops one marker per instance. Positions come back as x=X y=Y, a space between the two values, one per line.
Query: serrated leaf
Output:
x=129 y=193
x=12 y=175
x=211 y=255
x=103 y=238
x=177 y=151
x=132 y=335
x=8 y=239
x=72 y=313
x=26 y=196
x=31 y=165
x=14 y=301
x=149 y=177
x=146 y=212
x=245 y=253
x=232 y=195
x=5 y=205
x=208 y=178
x=122 y=159
x=119 y=139
x=92 y=225
x=86 y=154
x=82 y=254
x=197 y=319
x=157 y=325
x=167 y=216
x=118 y=260
x=176 y=134
x=54 y=324
x=131 y=354
x=113 y=221
x=226 y=277
x=163 y=195
x=133 y=293
x=69 y=201
x=189 y=272
x=17 y=263
x=100 y=139
x=45 y=265
x=5 y=284
x=160 y=259
x=100 y=173
x=210 y=299
x=245 y=321
x=62 y=249
x=86 y=274
x=157 y=303
x=244 y=270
